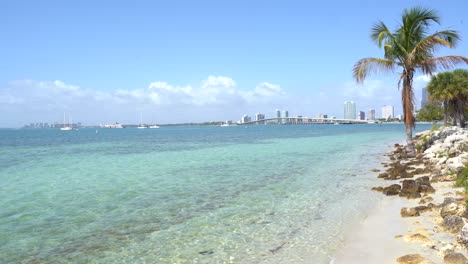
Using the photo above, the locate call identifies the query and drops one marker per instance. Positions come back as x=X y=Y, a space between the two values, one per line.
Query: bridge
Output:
x=305 y=120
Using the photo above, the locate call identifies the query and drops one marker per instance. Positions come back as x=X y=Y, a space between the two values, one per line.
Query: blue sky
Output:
x=181 y=61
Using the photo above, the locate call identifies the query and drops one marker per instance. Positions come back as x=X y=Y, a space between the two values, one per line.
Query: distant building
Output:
x=278 y=113
x=259 y=116
x=349 y=110
x=362 y=115
x=424 y=97
x=399 y=117
x=388 y=111
x=246 y=119
x=371 y=114
x=284 y=115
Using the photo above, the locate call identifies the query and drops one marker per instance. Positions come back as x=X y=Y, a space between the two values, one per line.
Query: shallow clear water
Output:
x=270 y=194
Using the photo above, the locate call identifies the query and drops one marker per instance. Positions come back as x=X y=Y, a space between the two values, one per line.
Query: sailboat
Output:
x=65 y=126
x=141 y=126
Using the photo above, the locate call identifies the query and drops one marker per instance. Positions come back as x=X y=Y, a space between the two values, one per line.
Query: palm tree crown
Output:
x=409 y=48
x=452 y=87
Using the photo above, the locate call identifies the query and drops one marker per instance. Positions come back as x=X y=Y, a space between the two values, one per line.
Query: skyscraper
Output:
x=284 y=115
x=349 y=110
x=388 y=111
x=362 y=115
x=259 y=116
x=424 y=97
x=371 y=115
x=278 y=113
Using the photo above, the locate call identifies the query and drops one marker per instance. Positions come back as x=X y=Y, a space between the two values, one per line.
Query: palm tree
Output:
x=452 y=87
x=437 y=90
x=409 y=48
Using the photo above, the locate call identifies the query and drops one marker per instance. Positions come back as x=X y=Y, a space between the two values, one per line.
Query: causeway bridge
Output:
x=305 y=120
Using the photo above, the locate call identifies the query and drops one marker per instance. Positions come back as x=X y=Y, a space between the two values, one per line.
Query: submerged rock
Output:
x=417 y=238
x=410 y=259
x=379 y=189
x=455 y=258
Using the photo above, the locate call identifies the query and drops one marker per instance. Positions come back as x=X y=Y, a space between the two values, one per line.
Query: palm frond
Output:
x=429 y=44
x=430 y=65
x=366 y=66
x=380 y=33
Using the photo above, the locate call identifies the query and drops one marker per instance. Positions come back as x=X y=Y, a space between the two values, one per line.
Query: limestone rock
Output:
x=383 y=175
x=393 y=189
x=410 y=189
x=451 y=209
x=446 y=249
x=453 y=223
x=410 y=259
x=462 y=237
x=409 y=212
x=455 y=258
x=426 y=200
x=417 y=238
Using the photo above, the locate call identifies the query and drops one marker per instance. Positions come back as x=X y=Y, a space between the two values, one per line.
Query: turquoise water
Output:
x=257 y=194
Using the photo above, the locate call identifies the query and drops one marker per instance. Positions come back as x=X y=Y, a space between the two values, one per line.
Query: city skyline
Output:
x=192 y=62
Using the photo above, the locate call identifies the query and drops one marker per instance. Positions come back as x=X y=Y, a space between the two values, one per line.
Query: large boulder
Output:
x=455 y=258
x=454 y=223
x=393 y=189
x=410 y=189
x=425 y=185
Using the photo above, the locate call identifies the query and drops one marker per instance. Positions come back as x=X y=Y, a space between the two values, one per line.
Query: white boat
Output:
x=66 y=127
x=141 y=126
x=116 y=125
x=153 y=126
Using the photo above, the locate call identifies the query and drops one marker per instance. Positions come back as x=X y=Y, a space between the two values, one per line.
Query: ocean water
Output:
x=256 y=194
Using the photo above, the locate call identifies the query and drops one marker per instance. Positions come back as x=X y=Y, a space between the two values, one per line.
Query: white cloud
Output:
x=367 y=89
x=33 y=101
x=424 y=78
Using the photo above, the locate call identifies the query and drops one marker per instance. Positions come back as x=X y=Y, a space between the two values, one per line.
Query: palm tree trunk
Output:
x=454 y=110
x=407 y=97
x=461 y=112
x=445 y=112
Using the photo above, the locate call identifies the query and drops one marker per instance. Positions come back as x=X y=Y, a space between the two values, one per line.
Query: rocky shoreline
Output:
x=434 y=188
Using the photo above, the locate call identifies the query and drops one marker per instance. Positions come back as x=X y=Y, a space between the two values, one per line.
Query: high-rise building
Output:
x=371 y=115
x=278 y=113
x=246 y=119
x=259 y=116
x=284 y=115
x=424 y=97
x=349 y=110
x=388 y=111
x=362 y=115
